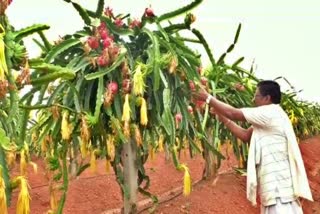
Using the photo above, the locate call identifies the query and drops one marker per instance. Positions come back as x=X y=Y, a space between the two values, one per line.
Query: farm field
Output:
x=136 y=114
x=99 y=193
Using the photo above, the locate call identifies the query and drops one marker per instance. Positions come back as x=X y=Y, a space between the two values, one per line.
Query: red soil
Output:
x=99 y=193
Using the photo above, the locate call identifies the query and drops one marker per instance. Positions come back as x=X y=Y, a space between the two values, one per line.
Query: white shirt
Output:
x=270 y=156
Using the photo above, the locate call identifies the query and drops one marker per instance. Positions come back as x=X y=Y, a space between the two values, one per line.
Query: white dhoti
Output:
x=292 y=207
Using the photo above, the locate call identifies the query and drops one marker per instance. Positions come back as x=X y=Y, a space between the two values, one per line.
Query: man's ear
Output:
x=268 y=97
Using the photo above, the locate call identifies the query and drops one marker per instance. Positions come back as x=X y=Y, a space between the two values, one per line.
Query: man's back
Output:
x=271 y=153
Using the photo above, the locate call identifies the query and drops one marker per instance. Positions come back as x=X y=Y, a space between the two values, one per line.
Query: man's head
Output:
x=267 y=92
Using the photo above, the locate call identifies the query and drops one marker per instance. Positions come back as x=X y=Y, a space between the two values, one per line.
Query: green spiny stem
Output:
x=116 y=30
x=99 y=100
x=65 y=179
x=239 y=69
x=61 y=47
x=99 y=9
x=75 y=94
x=40 y=106
x=189 y=40
x=237 y=34
x=83 y=13
x=179 y=11
x=91 y=13
x=20 y=34
x=178 y=42
x=221 y=59
x=46 y=127
x=205 y=45
x=155 y=56
x=176 y=27
x=30 y=93
x=236 y=63
x=8 y=127
x=45 y=40
x=14 y=98
x=162 y=32
x=5 y=175
x=24 y=122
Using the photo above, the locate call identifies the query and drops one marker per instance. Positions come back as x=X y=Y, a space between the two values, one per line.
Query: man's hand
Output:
x=200 y=94
x=212 y=112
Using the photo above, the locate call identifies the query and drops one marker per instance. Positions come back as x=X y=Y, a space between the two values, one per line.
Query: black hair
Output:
x=271 y=88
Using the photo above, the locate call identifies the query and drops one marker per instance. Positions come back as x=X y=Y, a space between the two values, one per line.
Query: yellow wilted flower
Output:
x=295 y=121
x=85 y=131
x=108 y=166
x=138 y=81
x=186 y=180
x=241 y=162
x=143 y=112
x=34 y=166
x=219 y=146
x=175 y=150
x=53 y=201
x=23 y=204
x=229 y=148
x=66 y=128
x=23 y=162
x=298 y=139
x=26 y=148
x=24 y=76
x=3 y=63
x=34 y=137
x=239 y=142
x=293 y=118
x=83 y=149
x=126 y=109
x=160 y=143
x=10 y=158
x=173 y=64
x=3 y=197
x=55 y=112
x=44 y=145
x=199 y=144
x=93 y=163
x=137 y=135
x=71 y=153
x=178 y=143
x=126 y=129
x=110 y=147
x=24 y=157
x=151 y=153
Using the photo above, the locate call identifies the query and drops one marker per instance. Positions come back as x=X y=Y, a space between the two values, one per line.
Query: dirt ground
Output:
x=99 y=193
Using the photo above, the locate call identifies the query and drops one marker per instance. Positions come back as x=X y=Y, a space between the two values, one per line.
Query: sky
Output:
x=280 y=37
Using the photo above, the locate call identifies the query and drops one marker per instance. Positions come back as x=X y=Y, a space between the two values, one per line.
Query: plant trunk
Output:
x=5 y=176
x=130 y=171
x=210 y=169
x=167 y=155
x=73 y=167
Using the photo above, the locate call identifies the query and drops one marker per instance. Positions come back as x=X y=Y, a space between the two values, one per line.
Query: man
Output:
x=275 y=164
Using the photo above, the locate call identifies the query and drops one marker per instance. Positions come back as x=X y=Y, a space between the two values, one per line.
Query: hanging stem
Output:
x=180 y=11
x=65 y=179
